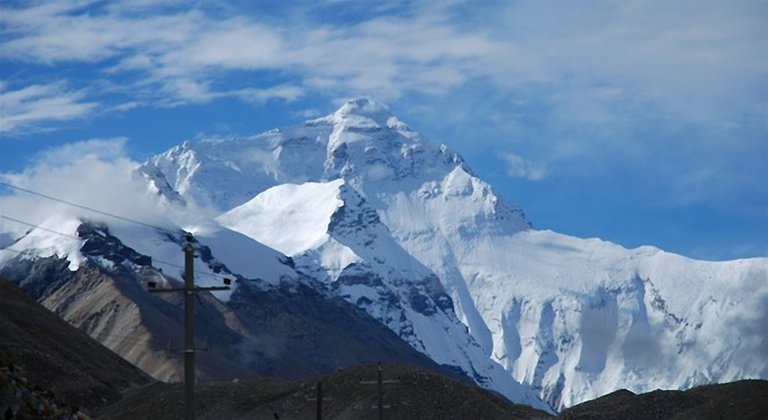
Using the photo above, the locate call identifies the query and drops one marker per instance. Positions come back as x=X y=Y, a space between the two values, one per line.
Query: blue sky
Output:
x=640 y=122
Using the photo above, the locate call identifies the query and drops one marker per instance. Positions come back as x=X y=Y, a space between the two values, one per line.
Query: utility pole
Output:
x=380 y=381
x=319 y=399
x=189 y=291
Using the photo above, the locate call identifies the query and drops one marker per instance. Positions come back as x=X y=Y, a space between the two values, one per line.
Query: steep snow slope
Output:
x=577 y=318
x=574 y=318
x=290 y=218
x=332 y=234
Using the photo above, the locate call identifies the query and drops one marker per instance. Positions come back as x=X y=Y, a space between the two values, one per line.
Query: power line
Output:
x=84 y=207
x=102 y=212
x=9 y=249
x=70 y=236
x=12 y=219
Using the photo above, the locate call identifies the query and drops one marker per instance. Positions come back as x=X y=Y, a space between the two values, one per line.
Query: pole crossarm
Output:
x=318 y=399
x=193 y=290
x=385 y=381
x=380 y=381
x=189 y=290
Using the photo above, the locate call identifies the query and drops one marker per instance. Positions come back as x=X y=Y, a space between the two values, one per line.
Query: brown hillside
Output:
x=58 y=357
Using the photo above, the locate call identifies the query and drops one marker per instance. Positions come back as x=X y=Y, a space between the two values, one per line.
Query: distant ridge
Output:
x=743 y=400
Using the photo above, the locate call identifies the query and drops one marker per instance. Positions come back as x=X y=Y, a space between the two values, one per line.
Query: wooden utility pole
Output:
x=380 y=381
x=189 y=291
x=189 y=332
x=319 y=400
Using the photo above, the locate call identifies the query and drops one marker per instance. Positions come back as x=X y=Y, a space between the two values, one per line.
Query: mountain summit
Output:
x=363 y=111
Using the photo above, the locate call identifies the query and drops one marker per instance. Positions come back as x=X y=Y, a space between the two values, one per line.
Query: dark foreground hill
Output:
x=418 y=394
x=741 y=400
x=57 y=357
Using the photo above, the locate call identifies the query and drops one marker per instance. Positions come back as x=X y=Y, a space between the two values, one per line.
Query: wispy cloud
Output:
x=519 y=167
x=184 y=51
x=94 y=173
x=107 y=150
x=671 y=54
x=24 y=108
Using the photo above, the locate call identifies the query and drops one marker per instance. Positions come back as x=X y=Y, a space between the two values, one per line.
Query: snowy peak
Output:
x=367 y=140
x=362 y=142
x=362 y=113
x=363 y=106
x=379 y=215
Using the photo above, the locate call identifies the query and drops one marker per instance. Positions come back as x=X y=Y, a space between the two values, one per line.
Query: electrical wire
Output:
x=88 y=208
x=84 y=207
x=11 y=250
x=70 y=236
x=37 y=226
x=115 y=340
x=102 y=212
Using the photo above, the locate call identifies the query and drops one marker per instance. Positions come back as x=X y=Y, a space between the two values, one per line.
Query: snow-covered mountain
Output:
x=357 y=211
x=573 y=318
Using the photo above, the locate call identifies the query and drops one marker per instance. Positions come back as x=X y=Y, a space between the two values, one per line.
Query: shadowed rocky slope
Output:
x=56 y=356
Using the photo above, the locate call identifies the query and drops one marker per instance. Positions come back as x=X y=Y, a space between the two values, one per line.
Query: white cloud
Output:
x=260 y=96
x=519 y=167
x=92 y=173
x=688 y=56
x=58 y=31
x=310 y=113
x=24 y=108
x=183 y=51
x=107 y=150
